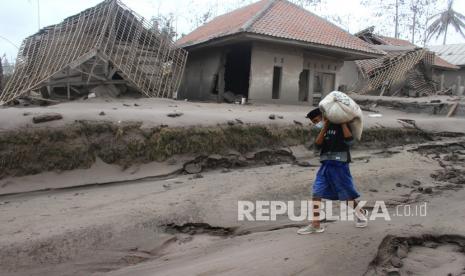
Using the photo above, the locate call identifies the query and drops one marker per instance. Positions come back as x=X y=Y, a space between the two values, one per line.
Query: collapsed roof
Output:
x=405 y=67
x=395 y=68
x=105 y=44
x=283 y=21
x=369 y=36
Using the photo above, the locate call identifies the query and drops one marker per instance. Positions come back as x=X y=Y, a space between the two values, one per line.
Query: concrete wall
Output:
x=292 y=60
x=264 y=58
x=199 y=75
x=202 y=66
x=349 y=75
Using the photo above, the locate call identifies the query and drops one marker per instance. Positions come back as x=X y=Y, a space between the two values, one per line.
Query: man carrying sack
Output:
x=333 y=180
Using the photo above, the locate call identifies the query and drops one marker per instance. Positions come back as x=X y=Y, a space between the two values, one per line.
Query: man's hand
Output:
x=325 y=121
x=346 y=131
x=321 y=135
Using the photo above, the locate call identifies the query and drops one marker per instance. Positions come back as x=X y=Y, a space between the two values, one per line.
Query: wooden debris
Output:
x=239 y=121
x=452 y=110
x=46 y=118
x=107 y=44
x=174 y=114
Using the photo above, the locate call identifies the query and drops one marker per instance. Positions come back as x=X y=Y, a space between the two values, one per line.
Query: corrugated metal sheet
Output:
x=453 y=53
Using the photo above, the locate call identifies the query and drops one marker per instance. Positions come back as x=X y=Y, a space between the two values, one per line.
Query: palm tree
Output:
x=443 y=20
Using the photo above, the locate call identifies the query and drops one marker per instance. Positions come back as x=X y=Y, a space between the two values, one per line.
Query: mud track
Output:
x=398 y=256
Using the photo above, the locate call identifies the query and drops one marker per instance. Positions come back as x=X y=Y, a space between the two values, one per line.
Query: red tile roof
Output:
x=396 y=41
x=223 y=25
x=280 y=19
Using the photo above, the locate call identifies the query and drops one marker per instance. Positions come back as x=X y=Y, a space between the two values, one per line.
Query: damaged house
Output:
x=108 y=47
x=454 y=54
x=269 y=51
x=404 y=70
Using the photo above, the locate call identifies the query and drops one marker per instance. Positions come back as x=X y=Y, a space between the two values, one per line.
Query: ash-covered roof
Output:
x=278 y=19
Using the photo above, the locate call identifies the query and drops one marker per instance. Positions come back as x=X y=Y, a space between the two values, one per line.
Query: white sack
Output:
x=340 y=108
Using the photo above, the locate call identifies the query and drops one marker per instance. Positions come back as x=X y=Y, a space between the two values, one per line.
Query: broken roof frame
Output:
x=393 y=68
x=109 y=33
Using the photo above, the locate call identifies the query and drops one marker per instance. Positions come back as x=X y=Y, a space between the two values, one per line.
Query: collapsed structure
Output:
x=454 y=54
x=106 y=45
x=405 y=70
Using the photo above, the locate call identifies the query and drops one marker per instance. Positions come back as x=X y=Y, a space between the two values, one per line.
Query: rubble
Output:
x=174 y=114
x=398 y=74
x=46 y=118
x=107 y=49
x=405 y=70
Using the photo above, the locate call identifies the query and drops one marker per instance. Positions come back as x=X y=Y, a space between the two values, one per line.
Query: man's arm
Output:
x=348 y=138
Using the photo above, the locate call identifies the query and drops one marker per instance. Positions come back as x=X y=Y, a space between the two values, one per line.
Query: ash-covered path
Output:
x=189 y=226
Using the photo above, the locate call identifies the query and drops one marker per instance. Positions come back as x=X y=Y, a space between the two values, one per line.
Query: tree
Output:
x=307 y=3
x=409 y=17
x=442 y=21
x=165 y=25
x=203 y=18
x=394 y=11
x=419 y=12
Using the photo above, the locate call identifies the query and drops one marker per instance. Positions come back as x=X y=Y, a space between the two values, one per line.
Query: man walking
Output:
x=333 y=180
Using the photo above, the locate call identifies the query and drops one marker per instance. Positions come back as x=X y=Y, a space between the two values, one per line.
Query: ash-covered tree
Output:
x=406 y=19
x=165 y=25
x=442 y=20
x=419 y=12
x=391 y=15
x=308 y=3
x=202 y=18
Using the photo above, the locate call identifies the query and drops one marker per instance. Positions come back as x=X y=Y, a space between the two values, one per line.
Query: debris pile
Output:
x=104 y=45
x=397 y=74
x=405 y=70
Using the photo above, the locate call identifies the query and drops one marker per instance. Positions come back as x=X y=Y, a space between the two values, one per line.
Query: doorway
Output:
x=276 y=88
x=304 y=85
x=237 y=69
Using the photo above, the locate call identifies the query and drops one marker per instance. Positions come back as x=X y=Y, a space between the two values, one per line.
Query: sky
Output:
x=21 y=18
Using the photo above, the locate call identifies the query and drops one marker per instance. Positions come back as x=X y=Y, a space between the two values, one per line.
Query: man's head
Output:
x=315 y=115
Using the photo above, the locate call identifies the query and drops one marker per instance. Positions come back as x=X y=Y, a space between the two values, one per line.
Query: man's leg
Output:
x=316 y=204
x=361 y=219
x=315 y=227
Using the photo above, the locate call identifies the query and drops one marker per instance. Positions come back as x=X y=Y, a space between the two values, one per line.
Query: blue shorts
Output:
x=334 y=182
